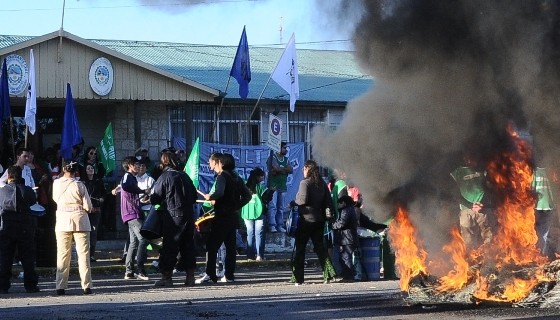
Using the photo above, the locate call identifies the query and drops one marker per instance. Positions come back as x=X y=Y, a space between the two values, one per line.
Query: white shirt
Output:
x=25 y=174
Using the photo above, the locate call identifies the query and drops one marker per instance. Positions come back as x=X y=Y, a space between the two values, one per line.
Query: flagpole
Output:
x=25 y=144
x=215 y=124
x=253 y=111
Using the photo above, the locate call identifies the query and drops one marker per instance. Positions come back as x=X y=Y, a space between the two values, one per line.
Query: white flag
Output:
x=31 y=102
x=286 y=72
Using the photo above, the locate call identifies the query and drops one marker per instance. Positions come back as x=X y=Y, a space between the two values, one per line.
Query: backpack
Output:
x=242 y=194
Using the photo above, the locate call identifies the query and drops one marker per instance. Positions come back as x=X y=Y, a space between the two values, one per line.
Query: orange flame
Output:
x=409 y=256
x=457 y=278
x=514 y=243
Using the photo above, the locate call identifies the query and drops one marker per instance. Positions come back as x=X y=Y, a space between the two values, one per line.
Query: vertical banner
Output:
x=249 y=157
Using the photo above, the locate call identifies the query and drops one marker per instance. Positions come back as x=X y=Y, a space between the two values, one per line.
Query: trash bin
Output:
x=46 y=247
x=371 y=257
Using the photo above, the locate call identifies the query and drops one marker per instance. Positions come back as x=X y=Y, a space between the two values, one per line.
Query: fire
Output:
x=507 y=268
x=458 y=277
x=409 y=256
x=514 y=243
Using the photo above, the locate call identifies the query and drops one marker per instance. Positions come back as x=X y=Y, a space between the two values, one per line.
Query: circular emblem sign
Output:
x=101 y=76
x=17 y=74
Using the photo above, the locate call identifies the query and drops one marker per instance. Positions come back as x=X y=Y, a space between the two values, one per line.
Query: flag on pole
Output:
x=5 y=108
x=71 y=135
x=193 y=163
x=241 y=68
x=31 y=102
x=286 y=72
x=107 y=149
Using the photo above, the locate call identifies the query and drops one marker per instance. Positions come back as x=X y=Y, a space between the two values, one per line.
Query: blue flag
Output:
x=5 y=108
x=71 y=135
x=241 y=69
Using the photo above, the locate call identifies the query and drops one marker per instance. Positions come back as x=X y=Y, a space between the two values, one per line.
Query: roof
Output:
x=324 y=75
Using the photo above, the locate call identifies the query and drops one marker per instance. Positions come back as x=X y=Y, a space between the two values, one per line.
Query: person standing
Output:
x=96 y=191
x=252 y=214
x=544 y=209
x=133 y=216
x=278 y=170
x=17 y=231
x=72 y=222
x=225 y=224
x=346 y=236
x=175 y=192
x=22 y=159
x=312 y=198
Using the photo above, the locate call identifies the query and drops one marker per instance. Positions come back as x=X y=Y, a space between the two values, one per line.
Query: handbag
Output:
x=152 y=226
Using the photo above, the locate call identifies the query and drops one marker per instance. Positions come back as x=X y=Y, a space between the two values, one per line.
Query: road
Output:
x=257 y=293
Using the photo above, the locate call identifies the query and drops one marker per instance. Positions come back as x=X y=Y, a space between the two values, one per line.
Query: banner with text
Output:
x=249 y=157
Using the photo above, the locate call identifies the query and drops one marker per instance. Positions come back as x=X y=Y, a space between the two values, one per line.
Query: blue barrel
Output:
x=371 y=255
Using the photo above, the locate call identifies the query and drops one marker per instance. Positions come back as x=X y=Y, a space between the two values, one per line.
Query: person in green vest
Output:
x=544 y=210
x=475 y=204
x=253 y=214
x=278 y=170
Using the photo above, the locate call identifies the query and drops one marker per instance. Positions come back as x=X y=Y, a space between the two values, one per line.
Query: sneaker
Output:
x=87 y=291
x=129 y=276
x=142 y=276
x=259 y=258
x=272 y=230
x=225 y=280
x=60 y=292
x=164 y=283
x=205 y=279
x=32 y=289
x=281 y=229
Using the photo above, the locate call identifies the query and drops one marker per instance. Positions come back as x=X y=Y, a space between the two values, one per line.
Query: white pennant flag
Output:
x=31 y=102
x=286 y=72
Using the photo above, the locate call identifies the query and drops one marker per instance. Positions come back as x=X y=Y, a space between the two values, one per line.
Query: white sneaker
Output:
x=141 y=276
x=204 y=279
x=259 y=258
x=225 y=280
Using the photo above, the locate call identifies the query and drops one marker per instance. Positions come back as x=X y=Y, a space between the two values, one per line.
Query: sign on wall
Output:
x=18 y=74
x=101 y=76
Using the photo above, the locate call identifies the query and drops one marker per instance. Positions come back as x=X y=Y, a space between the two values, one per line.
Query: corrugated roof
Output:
x=324 y=75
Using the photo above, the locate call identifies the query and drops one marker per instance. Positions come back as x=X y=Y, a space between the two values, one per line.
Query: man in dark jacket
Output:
x=346 y=236
x=17 y=231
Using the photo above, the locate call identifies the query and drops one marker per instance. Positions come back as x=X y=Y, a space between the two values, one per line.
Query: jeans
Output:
x=276 y=209
x=543 y=220
x=137 y=243
x=255 y=238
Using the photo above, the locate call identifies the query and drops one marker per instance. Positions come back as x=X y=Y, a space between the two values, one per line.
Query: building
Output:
x=158 y=95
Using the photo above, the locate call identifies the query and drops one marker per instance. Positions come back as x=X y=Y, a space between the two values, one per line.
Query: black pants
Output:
x=345 y=259
x=24 y=242
x=223 y=231
x=313 y=231
x=178 y=237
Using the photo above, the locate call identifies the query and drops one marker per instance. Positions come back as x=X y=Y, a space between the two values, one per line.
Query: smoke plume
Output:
x=449 y=76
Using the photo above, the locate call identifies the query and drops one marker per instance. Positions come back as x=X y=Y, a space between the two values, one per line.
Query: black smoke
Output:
x=449 y=77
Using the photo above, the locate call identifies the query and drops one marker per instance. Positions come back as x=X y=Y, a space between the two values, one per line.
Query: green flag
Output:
x=107 y=150
x=191 y=167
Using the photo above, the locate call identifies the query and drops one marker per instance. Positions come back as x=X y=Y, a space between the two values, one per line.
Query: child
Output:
x=346 y=236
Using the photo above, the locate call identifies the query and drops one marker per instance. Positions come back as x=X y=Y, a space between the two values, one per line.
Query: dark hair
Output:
x=21 y=150
x=283 y=144
x=313 y=172
x=14 y=173
x=71 y=166
x=228 y=162
x=168 y=159
x=216 y=156
x=252 y=180
x=89 y=149
x=127 y=161
x=347 y=200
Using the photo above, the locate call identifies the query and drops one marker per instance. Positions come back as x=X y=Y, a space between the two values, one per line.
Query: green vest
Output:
x=279 y=180
x=254 y=209
x=542 y=187
x=470 y=182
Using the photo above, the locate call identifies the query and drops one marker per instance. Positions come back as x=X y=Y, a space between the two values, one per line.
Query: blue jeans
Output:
x=137 y=243
x=276 y=209
x=255 y=237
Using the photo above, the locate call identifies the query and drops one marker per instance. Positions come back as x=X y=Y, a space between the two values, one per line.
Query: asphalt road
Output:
x=257 y=293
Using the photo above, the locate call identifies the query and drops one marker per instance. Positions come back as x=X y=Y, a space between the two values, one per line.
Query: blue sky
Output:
x=185 y=21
